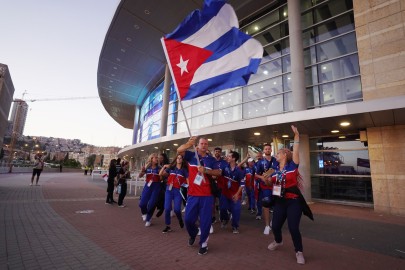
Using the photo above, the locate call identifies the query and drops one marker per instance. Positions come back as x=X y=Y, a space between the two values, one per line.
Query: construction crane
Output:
x=57 y=99
x=17 y=120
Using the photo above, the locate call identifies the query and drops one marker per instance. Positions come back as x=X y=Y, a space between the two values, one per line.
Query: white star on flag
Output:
x=183 y=65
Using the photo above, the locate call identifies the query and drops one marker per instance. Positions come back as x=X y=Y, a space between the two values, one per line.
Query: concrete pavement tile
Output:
x=96 y=240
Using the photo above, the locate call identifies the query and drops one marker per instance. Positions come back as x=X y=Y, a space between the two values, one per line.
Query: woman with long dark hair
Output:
x=112 y=173
x=177 y=173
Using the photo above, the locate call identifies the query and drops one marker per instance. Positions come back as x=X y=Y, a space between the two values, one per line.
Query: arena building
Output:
x=333 y=68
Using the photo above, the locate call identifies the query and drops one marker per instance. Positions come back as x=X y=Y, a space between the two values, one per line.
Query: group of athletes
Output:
x=270 y=182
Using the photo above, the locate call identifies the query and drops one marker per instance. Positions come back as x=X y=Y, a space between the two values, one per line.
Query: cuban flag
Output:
x=207 y=52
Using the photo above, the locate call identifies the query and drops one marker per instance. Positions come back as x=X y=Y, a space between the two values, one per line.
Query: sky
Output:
x=52 y=48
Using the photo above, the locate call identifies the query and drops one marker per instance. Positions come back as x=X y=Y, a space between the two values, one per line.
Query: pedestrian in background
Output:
x=112 y=173
x=38 y=167
x=122 y=182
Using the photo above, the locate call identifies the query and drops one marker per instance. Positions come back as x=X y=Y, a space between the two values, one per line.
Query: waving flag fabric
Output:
x=207 y=52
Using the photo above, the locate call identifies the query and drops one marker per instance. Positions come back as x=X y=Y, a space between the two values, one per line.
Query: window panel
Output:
x=338 y=26
x=263 y=23
x=263 y=89
x=331 y=9
x=340 y=91
x=228 y=114
x=286 y=63
x=202 y=107
x=311 y=76
x=287 y=82
x=228 y=99
x=288 y=102
x=336 y=47
x=309 y=56
x=201 y=121
x=262 y=107
x=266 y=71
x=180 y=115
x=340 y=68
x=313 y=97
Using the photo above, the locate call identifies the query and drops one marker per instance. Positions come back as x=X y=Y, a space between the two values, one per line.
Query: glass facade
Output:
x=340 y=170
x=332 y=73
x=332 y=76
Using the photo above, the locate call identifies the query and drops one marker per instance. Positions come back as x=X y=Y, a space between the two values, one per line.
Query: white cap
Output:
x=250 y=160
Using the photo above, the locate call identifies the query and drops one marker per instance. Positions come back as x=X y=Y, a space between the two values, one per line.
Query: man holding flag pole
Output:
x=207 y=53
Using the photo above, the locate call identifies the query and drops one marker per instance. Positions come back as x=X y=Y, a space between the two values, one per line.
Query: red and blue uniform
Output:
x=200 y=200
x=150 y=192
x=249 y=186
x=234 y=179
x=177 y=178
x=265 y=191
x=288 y=206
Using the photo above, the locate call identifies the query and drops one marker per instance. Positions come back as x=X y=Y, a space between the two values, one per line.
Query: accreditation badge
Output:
x=149 y=184
x=277 y=190
x=198 y=179
x=170 y=186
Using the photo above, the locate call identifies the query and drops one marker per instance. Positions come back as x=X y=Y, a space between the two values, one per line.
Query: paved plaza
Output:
x=65 y=224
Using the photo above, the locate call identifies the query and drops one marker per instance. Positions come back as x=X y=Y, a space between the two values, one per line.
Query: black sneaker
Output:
x=167 y=229
x=203 y=251
x=181 y=222
x=160 y=212
x=213 y=220
x=191 y=241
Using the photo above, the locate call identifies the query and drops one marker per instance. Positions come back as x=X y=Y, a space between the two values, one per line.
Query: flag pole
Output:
x=180 y=102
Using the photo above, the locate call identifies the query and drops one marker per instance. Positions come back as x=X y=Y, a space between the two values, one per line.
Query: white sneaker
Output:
x=199 y=231
x=274 y=245
x=144 y=217
x=258 y=217
x=300 y=257
x=267 y=230
x=147 y=224
x=212 y=229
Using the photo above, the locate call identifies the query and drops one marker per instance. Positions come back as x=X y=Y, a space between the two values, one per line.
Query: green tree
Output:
x=72 y=163
x=66 y=157
x=91 y=159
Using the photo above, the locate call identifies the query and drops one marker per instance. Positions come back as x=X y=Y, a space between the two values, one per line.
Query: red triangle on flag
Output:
x=185 y=59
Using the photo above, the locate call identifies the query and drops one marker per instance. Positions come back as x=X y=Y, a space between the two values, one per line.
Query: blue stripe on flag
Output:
x=196 y=20
x=229 y=42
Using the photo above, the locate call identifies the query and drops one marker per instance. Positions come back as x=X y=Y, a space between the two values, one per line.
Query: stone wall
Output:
x=380 y=30
x=386 y=147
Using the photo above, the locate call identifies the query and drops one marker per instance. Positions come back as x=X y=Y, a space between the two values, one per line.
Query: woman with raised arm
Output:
x=287 y=205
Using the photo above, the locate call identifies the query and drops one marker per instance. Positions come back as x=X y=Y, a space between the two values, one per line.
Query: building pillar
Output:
x=136 y=125
x=304 y=167
x=165 y=100
x=297 y=56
